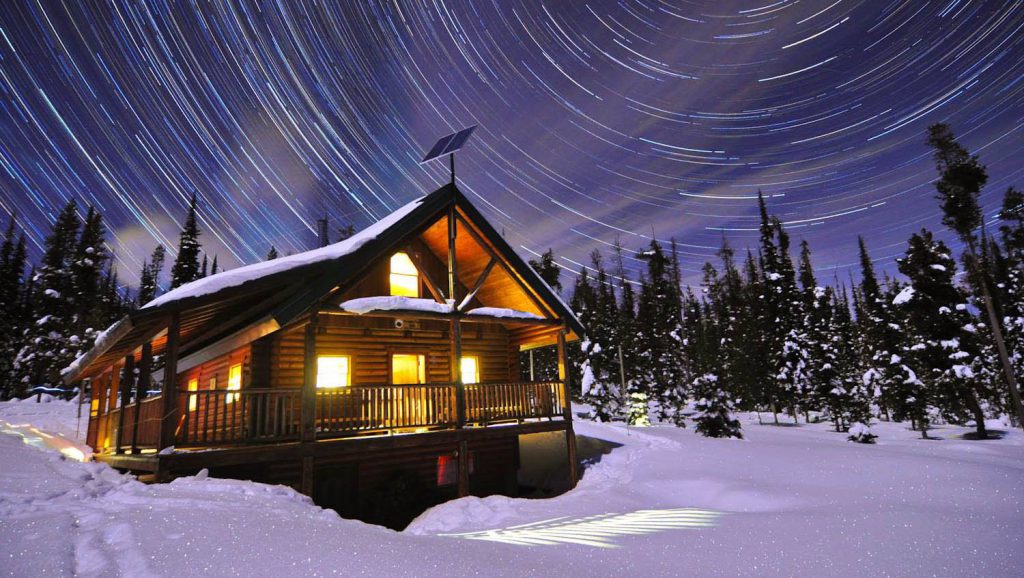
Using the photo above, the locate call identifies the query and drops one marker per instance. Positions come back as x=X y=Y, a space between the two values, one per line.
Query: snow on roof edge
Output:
x=246 y=273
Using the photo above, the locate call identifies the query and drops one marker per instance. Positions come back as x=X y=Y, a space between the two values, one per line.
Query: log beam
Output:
x=169 y=401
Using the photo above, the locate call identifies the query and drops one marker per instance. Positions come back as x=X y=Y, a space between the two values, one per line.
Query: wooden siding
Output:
x=371 y=341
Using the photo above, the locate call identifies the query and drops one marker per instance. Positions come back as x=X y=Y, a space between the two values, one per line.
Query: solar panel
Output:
x=449 y=144
x=435 y=151
x=459 y=140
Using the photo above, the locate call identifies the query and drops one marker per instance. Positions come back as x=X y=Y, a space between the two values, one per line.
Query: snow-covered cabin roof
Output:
x=277 y=292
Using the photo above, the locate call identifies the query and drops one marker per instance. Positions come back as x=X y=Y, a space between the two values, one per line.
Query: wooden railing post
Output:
x=169 y=400
x=570 y=436
x=141 y=386
x=127 y=382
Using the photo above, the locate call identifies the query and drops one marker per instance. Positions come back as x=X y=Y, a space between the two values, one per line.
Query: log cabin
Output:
x=391 y=357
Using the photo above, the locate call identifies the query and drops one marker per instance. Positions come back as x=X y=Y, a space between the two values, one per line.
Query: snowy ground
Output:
x=787 y=501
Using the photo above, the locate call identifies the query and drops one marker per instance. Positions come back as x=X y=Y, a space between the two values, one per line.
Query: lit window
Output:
x=405 y=280
x=470 y=369
x=234 y=381
x=193 y=400
x=408 y=369
x=333 y=371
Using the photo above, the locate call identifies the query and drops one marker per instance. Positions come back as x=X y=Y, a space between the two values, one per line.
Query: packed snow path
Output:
x=789 y=500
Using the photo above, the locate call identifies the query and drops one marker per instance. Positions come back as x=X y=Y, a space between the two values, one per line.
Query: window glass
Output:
x=193 y=400
x=404 y=279
x=408 y=368
x=333 y=371
x=234 y=381
x=470 y=369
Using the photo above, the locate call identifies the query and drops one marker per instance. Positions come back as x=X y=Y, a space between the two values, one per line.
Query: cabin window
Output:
x=333 y=371
x=234 y=381
x=404 y=278
x=408 y=368
x=193 y=400
x=470 y=369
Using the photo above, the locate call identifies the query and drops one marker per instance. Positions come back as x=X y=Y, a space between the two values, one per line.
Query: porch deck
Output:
x=229 y=418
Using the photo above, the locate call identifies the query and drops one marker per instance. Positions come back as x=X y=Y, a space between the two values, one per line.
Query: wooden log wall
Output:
x=371 y=341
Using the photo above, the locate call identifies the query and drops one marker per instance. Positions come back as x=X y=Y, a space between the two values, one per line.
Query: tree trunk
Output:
x=979 y=416
x=775 y=412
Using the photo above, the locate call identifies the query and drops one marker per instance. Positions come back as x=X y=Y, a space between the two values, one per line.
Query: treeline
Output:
x=763 y=334
x=54 y=311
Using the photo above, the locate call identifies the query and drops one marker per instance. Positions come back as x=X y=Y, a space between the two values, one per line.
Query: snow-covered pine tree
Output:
x=961 y=178
x=940 y=325
x=12 y=288
x=91 y=283
x=186 y=263
x=1010 y=276
x=594 y=302
x=49 y=343
x=715 y=415
x=663 y=376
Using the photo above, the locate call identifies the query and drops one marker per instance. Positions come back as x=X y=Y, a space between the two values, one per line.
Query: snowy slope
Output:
x=788 y=501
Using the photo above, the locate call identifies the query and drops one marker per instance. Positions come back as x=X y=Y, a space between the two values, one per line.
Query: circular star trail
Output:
x=598 y=120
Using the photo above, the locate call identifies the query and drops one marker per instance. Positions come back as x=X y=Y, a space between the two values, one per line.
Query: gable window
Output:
x=234 y=381
x=470 y=369
x=404 y=278
x=333 y=371
x=408 y=368
x=193 y=400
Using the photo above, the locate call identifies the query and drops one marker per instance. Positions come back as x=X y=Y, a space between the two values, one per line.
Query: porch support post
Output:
x=463 y=468
x=307 y=420
x=141 y=387
x=570 y=436
x=455 y=362
x=127 y=382
x=307 y=430
x=169 y=397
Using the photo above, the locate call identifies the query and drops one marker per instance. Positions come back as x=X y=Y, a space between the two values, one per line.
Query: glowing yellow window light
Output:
x=470 y=369
x=333 y=371
x=404 y=278
x=234 y=381
x=408 y=369
x=193 y=400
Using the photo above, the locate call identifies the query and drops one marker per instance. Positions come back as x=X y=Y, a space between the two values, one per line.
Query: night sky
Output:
x=597 y=119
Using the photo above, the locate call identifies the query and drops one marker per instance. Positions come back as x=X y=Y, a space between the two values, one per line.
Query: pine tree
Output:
x=942 y=332
x=213 y=266
x=12 y=282
x=715 y=410
x=92 y=304
x=49 y=344
x=961 y=178
x=186 y=264
x=548 y=270
x=662 y=376
x=149 y=278
x=272 y=253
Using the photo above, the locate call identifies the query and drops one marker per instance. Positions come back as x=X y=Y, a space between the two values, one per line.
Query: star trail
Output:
x=598 y=120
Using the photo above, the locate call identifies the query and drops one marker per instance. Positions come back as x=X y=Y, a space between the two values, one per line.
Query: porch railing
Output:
x=228 y=417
